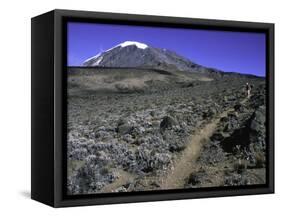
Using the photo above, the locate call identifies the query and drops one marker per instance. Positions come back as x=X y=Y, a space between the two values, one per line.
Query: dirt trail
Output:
x=185 y=165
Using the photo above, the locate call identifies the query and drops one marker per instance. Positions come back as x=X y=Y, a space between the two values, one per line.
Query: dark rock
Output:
x=226 y=128
x=232 y=115
x=196 y=178
x=218 y=136
x=255 y=126
x=238 y=107
x=124 y=128
x=210 y=113
x=240 y=166
x=176 y=147
x=224 y=119
x=186 y=85
x=167 y=122
x=260 y=115
x=257 y=123
x=121 y=121
x=239 y=137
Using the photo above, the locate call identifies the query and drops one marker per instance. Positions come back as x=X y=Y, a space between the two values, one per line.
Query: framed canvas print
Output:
x=131 y=108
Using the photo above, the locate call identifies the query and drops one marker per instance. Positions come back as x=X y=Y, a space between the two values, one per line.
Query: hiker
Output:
x=248 y=89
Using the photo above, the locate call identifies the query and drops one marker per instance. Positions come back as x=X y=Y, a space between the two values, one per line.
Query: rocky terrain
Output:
x=138 y=129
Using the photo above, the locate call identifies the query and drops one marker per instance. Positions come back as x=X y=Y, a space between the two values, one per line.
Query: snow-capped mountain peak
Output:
x=138 y=44
x=133 y=54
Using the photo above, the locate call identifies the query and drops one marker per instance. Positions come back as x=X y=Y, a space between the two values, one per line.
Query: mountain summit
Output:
x=132 y=54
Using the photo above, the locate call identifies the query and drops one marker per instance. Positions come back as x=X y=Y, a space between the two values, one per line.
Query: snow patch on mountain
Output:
x=98 y=60
x=129 y=43
x=93 y=57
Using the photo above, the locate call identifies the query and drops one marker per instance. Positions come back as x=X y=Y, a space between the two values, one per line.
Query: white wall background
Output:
x=15 y=106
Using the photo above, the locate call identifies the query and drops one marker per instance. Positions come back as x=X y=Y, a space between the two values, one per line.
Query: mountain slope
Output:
x=138 y=55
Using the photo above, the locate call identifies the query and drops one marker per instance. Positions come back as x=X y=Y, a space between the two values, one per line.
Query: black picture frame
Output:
x=48 y=147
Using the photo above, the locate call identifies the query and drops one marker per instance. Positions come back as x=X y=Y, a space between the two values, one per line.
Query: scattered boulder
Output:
x=210 y=113
x=238 y=107
x=260 y=115
x=123 y=127
x=218 y=136
x=196 y=178
x=255 y=126
x=239 y=137
x=224 y=119
x=258 y=119
x=167 y=122
x=176 y=147
x=232 y=115
x=240 y=166
x=153 y=113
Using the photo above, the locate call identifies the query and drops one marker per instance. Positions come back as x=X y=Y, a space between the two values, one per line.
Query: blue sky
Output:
x=241 y=52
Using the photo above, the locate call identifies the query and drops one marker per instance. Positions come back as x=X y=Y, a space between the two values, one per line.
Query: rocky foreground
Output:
x=138 y=137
